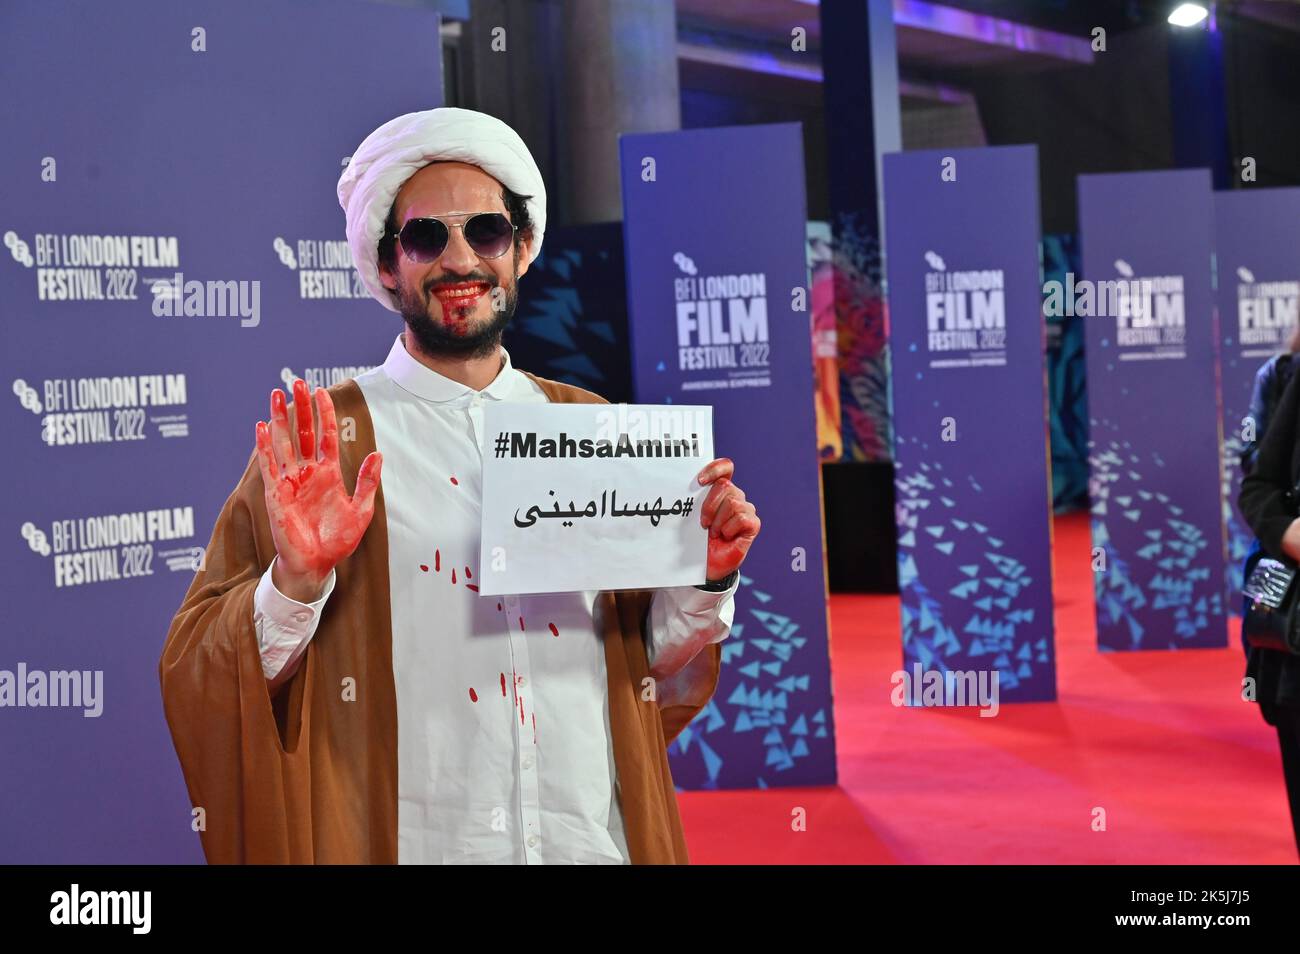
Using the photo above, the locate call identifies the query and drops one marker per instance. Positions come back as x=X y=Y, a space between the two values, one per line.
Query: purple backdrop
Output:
x=714 y=231
x=1257 y=254
x=221 y=165
x=1153 y=409
x=970 y=428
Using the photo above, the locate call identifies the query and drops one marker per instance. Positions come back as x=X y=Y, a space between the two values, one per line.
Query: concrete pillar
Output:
x=619 y=76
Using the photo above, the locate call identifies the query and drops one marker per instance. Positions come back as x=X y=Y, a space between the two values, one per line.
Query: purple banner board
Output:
x=1257 y=259
x=973 y=499
x=1157 y=527
x=149 y=146
x=719 y=308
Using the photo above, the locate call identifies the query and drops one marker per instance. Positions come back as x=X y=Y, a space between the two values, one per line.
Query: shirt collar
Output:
x=410 y=375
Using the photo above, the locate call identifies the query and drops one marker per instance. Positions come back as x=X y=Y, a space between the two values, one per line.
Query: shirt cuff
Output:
x=695 y=599
x=284 y=625
x=685 y=619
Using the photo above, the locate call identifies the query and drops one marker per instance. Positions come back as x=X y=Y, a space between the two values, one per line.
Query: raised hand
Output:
x=732 y=520
x=314 y=522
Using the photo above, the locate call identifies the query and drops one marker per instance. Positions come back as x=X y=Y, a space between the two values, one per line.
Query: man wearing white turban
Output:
x=336 y=689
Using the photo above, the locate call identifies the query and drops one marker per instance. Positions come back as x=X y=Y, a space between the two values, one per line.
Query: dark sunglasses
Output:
x=489 y=234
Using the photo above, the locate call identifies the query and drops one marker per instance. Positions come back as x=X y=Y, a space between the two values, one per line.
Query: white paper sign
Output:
x=593 y=496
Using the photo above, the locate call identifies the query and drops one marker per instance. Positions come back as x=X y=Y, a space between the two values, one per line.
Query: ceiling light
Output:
x=1188 y=14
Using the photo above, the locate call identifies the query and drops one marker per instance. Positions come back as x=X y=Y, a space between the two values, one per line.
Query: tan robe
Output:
x=310 y=777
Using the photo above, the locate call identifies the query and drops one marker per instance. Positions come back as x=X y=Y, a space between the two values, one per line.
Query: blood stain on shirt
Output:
x=472 y=586
x=498 y=604
x=455 y=481
x=503 y=684
x=424 y=567
x=521 y=624
x=554 y=631
x=437 y=560
x=534 y=728
x=521 y=710
x=473 y=696
x=453 y=574
x=468 y=574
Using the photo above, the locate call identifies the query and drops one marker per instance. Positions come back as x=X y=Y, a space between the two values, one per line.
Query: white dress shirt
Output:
x=504 y=750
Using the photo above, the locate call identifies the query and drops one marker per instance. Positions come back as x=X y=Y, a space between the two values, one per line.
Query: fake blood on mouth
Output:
x=456 y=307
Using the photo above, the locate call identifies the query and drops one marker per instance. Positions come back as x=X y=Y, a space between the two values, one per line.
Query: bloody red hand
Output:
x=314 y=522
x=732 y=520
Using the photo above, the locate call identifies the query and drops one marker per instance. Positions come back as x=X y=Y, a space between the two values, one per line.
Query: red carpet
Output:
x=1186 y=771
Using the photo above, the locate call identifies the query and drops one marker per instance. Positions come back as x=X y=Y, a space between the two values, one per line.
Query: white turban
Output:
x=401 y=147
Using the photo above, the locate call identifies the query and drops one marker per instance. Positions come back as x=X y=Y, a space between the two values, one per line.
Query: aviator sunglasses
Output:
x=489 y=234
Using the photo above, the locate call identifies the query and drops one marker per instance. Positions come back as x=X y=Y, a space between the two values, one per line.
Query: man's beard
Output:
x=432 y=336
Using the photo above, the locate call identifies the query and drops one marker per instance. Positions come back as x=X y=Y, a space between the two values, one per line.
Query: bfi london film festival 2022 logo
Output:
x=106 y=409
x=116 y=547
x=965 y=316
x=1266 y=314
x=324 y=268
x=1149 y=310
x=721 y=326
x=74 y=267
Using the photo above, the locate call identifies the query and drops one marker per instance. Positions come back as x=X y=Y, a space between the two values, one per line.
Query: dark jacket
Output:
x=1265 y=504
x=1270 y=382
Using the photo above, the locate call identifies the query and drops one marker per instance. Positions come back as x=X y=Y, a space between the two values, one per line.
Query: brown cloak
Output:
x=309 y=777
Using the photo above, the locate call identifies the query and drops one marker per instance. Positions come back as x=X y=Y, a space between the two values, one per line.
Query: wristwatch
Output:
x=721 y=585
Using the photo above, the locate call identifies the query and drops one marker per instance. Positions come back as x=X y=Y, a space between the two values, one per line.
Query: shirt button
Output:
x=532 y=841
x=528 y=761
x=302 y=616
